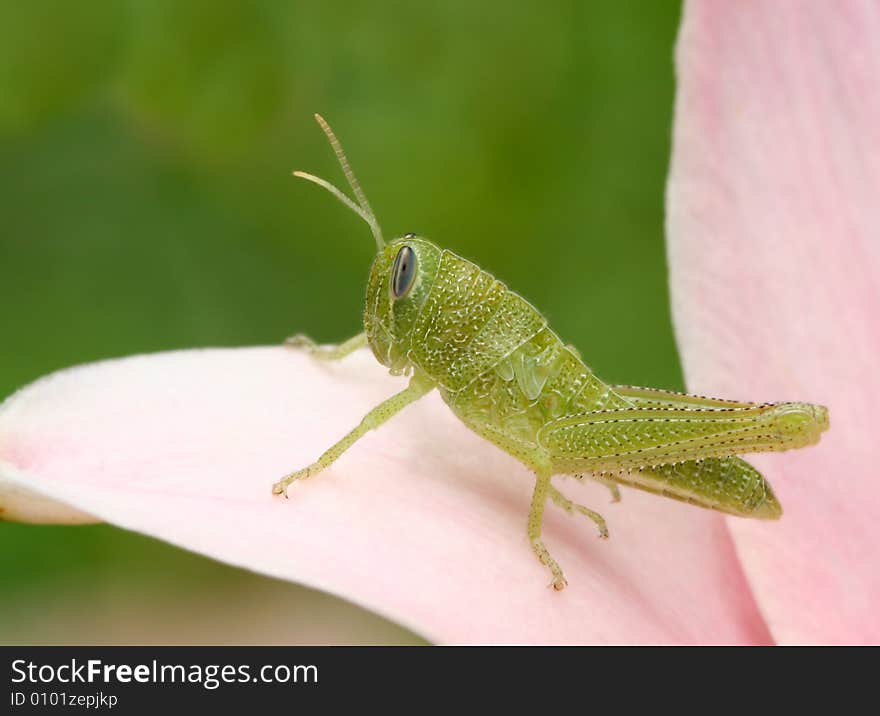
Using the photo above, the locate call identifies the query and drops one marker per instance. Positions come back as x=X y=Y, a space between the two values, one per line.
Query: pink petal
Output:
x=421 y=521
x=774 y=251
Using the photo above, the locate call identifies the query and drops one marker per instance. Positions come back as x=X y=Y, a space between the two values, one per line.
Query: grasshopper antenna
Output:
x=362 y=208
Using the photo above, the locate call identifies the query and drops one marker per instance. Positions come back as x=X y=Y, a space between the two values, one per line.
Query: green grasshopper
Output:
x=449 y=325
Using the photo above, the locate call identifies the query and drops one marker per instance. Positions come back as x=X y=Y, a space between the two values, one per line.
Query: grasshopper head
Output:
x=400 y=279
x=399 y=284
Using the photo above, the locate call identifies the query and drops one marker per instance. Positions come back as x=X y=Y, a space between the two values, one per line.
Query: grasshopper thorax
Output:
x=400 y=282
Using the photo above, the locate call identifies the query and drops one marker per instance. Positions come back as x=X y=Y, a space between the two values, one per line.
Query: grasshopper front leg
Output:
x=418 y=386
x=328 y=353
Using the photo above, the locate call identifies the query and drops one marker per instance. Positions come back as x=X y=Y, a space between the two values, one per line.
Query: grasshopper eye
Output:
x=403 y=271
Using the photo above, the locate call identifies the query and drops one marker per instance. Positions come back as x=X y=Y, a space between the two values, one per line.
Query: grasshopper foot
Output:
x=280 y=487
x=559 y=583
x=300 y=340
x=543 y=554
x=328 y=353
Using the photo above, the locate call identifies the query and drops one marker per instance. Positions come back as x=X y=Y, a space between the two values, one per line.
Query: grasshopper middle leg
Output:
x=544 y=490
x=536 y=521
x=572 y=507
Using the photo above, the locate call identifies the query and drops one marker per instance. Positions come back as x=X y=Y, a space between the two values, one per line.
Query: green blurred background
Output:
x=146 y=204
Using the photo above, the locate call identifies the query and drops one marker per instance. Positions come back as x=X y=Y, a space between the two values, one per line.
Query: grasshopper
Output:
x=448 y=325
